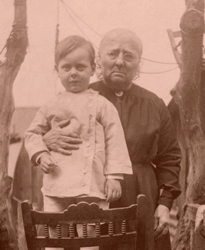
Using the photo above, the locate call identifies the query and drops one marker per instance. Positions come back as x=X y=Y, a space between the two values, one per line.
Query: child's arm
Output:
x=116 y=152
x=47 y=163
x=34 y=135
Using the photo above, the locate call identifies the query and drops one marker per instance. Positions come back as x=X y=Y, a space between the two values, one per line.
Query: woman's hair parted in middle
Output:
x=70 y=43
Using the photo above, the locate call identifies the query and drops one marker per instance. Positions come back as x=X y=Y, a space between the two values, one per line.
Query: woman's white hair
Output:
x=113 y=34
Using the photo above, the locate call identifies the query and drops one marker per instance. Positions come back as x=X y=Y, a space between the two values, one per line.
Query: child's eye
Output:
x=113 y=54
x=81 y=67
x=66 y=67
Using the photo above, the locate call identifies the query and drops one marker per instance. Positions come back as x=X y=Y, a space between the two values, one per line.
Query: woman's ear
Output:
x=98 y=67
x=93 y=69
x=98 y=61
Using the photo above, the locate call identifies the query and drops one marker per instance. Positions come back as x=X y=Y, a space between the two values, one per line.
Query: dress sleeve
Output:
x=168 y=159
x=116 y=154
x=34 y=143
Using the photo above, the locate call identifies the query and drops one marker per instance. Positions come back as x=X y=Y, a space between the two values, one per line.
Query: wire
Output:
x=2 y=63
x=77 y=24
x=58 y=11
x=6 y=43
x=73 y=19
x=57 y=25
x=145 y=59
x=81 y=19
x=67 y=6
x=160 y=72
x=3 y=49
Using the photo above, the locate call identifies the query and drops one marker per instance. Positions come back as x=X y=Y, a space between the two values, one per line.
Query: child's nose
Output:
x=73 y=71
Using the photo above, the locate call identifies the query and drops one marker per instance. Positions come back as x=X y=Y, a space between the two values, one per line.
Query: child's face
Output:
x=75 y=70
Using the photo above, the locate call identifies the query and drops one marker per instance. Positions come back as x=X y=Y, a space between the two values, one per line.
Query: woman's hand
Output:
x=113 y=190
x=199 y=219
x=61 y=141
x=161 y=221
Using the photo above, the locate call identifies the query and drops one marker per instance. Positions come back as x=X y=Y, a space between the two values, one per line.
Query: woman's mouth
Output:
x=118 y=73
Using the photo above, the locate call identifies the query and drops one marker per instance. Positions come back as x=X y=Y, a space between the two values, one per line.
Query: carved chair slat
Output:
x=82 y=213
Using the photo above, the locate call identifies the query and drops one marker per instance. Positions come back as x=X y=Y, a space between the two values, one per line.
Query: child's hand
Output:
x=113 y=190
x=47 y=163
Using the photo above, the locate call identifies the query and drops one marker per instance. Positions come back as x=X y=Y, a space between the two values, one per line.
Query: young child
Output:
x=93 y=172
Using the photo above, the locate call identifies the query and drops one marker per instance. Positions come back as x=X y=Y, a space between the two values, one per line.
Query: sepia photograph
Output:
x=102 y=135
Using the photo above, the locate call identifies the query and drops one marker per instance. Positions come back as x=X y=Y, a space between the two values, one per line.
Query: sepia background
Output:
x=36 y=82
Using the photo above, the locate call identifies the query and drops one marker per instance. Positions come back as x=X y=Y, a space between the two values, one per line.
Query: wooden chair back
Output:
x=82 y=213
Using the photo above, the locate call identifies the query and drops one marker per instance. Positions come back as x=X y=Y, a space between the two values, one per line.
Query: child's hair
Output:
x=71 y=43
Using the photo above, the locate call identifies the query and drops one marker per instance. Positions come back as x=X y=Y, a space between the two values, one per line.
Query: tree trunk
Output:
x=189 y=96
x=16 y=49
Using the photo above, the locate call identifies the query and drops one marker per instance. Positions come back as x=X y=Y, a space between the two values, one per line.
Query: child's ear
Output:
x=56 y=68
x=93 y=69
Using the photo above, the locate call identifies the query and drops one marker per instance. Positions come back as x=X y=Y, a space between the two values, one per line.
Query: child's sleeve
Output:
x=34 y=143
x=116 y=153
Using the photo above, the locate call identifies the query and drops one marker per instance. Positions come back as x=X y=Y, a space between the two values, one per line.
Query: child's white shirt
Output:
x=103 y=150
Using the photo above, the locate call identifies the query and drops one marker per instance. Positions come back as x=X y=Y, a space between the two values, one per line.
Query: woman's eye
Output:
x=112 y=54
x=128 y=57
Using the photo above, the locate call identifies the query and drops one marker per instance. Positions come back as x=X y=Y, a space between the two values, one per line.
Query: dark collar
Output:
x=104 y=90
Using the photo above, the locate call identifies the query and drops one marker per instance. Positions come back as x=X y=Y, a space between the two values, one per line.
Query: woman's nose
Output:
x=120 y=59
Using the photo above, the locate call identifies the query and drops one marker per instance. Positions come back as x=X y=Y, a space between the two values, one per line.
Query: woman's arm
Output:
x=167 y=160
x=167 y=171
x=58 y=140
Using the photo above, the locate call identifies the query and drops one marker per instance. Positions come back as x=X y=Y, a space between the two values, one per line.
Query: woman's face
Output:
x=119 y=62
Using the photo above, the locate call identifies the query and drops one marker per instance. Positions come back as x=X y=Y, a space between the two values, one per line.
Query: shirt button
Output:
x=89 y=130
x=87 y=143
x=86 y=137
x=83 y=184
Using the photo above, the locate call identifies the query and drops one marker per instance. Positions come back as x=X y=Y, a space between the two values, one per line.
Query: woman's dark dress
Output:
x=153 y=150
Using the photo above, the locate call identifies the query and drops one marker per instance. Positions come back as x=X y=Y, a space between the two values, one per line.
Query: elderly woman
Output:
x=148 y=129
